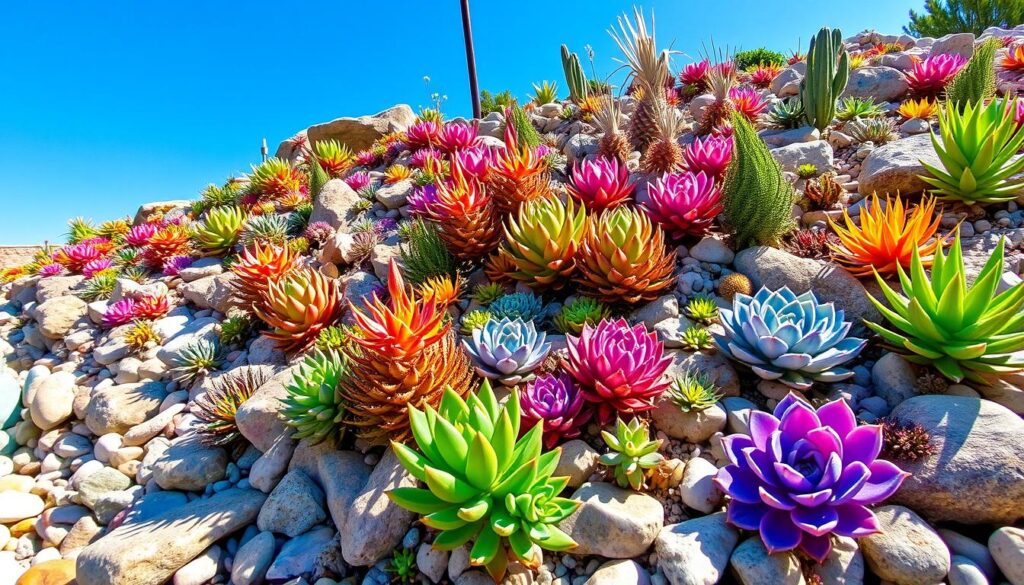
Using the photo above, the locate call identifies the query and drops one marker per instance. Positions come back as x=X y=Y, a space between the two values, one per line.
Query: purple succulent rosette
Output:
x=558 y=402
x=803 y=475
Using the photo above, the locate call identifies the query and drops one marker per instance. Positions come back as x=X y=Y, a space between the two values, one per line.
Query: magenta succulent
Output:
x=600 y=183
x=175 y=264
x=619 y=368
x=422 y=134
x=457 y=136
x=53 y=269
x=556 y=401
x=141 y=234
x=366 y=158
x=119 y=312
x=802 y=475
x=695 y=73
x=76 y=256
x=929 y=77
x=711 y=155
x=475 y=162
x=358 y=180
x=747 y=101
x=421 y=157
x=684 y=204
x=422 y=199
x=318 y=231
x=93 y=266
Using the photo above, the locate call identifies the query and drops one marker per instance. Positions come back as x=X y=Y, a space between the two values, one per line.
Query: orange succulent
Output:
x=922 y=109
x=396 y=173
x=1013 y=60
x=518 y=175
x=298 y=307
x=887 y=237
x=499 y=266
x=443 y=289
x=406 y=356
x=257 y=266
x=466 y=216
x=172 y=240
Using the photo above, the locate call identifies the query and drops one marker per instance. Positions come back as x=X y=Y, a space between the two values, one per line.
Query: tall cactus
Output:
x=828 y=70
x=574 y=76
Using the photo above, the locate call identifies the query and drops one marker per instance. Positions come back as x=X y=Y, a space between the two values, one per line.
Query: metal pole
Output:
x=264 y=151
x=467 y=33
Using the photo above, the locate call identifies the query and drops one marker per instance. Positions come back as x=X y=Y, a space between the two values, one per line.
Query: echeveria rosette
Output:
x=620 y=368
x=556 y=401
x=803 y=475
x=684 y=204
x=791 y=339
x=507 y=351
x=483 y=486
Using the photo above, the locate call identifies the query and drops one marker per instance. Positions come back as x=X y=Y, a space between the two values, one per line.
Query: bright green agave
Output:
x=314 y=407
x=964 y=331
x=219 y=231
x=482 y=484
x=632 y=453
x=979 y=143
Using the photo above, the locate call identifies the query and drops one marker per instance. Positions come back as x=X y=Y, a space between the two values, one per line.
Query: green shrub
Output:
x=760 y=56
x=425 y=254
x=495 y=102
x=976 y=81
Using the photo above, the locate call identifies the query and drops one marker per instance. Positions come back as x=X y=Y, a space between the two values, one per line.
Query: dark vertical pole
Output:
x=467 y=33
x=264 y=151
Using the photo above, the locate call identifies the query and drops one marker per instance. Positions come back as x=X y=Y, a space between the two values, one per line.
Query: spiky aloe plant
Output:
x=632 y=453
x=220 y=230
x=702 y=308
x=978 y=153
x=696 y=338
x=542 y=241
x=216 y=408
x=265 y=229
x=483 y=485
x=99 y=287
x=828 y=70
x=198 y=358
x=314 y=406
x=757 y=198
x=965 y=332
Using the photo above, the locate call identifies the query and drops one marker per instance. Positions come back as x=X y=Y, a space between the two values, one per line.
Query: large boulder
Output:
x=52 y=287
x=976 y=474
x=818 y=153
x=895 y=167
x=336 y=205
x=190 y=465
x=151 y=550
x=375 y=525
x=147 y=210
x=57 y=315
x=775 y=269
x=359 y=133
x=115 y=409
x=613 y=522
x=259 y=419
x=883 y=84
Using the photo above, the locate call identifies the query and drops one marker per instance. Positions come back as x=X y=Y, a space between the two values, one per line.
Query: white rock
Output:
x=200 y=569
x=697 y=489
x=1007 y=548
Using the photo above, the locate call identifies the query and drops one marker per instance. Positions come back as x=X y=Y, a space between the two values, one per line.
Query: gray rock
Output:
x=775 y=268
x=713 y=250
x=111 y=504
x=295 y=506
x=697 y=488
x=375 y=525
x=253 y=559
x=818 y=153
x=270 y=467
x=52 y=400
x=52 y=287
x=787 y=82
x=695 y=426
x=299 y=554
x=884 y=84
x=712 y=364
x=212 y=292
x=431 y=562
x=100 y=483
x=201 y=569
x=894 y=379
x=971 y=549
x=359 y=133
x=958 y=43
x=963 y=571
x=656 y=311
x=1007 y=547
x=785 y=137
x=115 y=409
x=577 y=461
x=336 y=205
x=201 y=268
x=696 y=552
x=613 y=522
x=152 y=550
x=153 y=504
x=974 y=477
x=258 y=418
x=895 y=167
x=343 y=475
x=205 y=328
x=624 y=572
x=907 y=550
x=190 y=465
x=394 y=196
x=844 y=565
x=579 y=146
x=82 y=533
x=752 y=565
x=56 y=316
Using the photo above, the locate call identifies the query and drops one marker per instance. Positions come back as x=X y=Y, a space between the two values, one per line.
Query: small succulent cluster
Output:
x=217 y=407
x=693 y=391
x=632 y=455
x=904 y=440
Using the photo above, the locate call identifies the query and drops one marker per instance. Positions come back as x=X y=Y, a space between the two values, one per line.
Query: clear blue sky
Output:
x=105 y=104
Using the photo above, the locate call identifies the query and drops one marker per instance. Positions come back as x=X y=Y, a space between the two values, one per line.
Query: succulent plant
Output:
x=812 y=243
x=313 y=406
x=964 y=332
x=507 y=351
x=684 y=204
x=265 y=229
x=556 y=402
x=474 y=469
x=876 y=130
x=978 y=152
x=600 y=183
x=663 y=154
x=474 y=320
x=817 y=470
x=579 y=312
x=175 y=264
x=141 y=335
x=196 y=359
x=257 y=266
x=721 y=79
x=486 y=294
x=975 y=83
x=94 y=267
x=216 y=408
x=99 y=287
x=613 y=143
x=710 y=155
x=236 y=329
x=444 y=289
x=298 y=306
x=524 y=306
x=458 y=136
x=618 y=367
x=696 y=338
x=140 y=234
x=632 y=453
x=828 y=71
x=747 y=101
x=922 y=109
x=823 y=192
x=806 y=171
x=219 y=195
x=791 y=339
x=422 y=134
x=517 y=175
x=406 y=357
x=763 y=75
x=219 y=230
x=171 y=240
x=396 y=173
x=80 y=229
x=693 y=391
x=425 y=255
x=928 y=78
x=273 y=179
x=119 y=312
x=648 y=72
x=402 y=566
x=542 y=241
x=905 y=440
x=53 y=269
x=333 y=157
x=855 y=108
x=624 y=259
x=75 y=257
x=151 y=306
x=887 y=236
x=695 y=73
x=788 y=113
x=702 y=308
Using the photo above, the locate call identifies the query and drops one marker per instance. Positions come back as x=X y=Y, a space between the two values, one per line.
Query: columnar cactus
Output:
x=574 y=76
x=828 y=70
